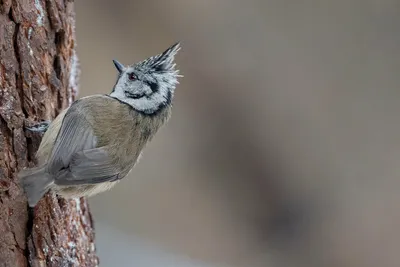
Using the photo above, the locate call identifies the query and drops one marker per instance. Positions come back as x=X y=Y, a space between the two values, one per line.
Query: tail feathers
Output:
x=35 y=182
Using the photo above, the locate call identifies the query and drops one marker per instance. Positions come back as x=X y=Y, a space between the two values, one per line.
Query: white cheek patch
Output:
x=135 y=87
x=147 y=90
x=148 y=103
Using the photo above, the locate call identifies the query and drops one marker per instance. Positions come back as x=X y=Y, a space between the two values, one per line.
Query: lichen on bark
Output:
x=38 y=79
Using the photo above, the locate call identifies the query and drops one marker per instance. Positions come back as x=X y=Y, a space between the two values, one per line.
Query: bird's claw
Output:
x=40 y=127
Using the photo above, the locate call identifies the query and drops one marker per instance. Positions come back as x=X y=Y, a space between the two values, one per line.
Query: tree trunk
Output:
x=38 y=74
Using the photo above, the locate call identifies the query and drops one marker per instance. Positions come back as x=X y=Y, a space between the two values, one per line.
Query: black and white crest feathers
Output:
x=163 y=62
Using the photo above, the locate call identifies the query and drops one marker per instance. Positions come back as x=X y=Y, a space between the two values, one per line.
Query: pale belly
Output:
x=83 y=190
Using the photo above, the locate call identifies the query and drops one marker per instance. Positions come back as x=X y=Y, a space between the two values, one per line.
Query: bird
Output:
x=94 y=143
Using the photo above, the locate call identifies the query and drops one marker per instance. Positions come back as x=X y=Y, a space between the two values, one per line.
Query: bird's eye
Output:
x=132 y=76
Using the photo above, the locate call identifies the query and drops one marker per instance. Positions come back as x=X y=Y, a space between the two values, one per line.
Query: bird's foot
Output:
x=40 y=127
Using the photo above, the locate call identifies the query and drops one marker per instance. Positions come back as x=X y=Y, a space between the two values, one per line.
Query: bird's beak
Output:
x=119 y=66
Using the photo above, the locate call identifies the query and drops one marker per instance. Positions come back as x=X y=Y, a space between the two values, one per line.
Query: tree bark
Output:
x=38 y=78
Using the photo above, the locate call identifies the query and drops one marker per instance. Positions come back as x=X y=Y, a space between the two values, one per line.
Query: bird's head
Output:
x=149 y=85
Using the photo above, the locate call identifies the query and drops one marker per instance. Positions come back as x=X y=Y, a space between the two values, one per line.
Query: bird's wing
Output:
x=75 y=135
x=90 y=166
x=75 y=159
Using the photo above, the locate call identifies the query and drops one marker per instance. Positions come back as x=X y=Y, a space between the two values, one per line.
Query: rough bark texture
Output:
x=38 y=71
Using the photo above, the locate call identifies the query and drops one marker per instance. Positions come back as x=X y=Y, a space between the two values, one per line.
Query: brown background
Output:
x=284 y=144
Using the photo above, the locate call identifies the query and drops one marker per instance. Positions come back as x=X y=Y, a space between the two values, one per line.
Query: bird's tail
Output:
x=35 y=182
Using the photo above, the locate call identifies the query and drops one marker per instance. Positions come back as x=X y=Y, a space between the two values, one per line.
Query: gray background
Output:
x=284 y=144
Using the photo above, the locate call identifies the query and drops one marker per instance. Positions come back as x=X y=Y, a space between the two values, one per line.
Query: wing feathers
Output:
x=90 y=167
x=75 y=158
x=75 y=135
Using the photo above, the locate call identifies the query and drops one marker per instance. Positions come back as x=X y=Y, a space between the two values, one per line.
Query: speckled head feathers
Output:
x=148 y=85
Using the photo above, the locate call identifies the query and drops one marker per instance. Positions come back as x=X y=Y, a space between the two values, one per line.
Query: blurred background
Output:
x=284 y=144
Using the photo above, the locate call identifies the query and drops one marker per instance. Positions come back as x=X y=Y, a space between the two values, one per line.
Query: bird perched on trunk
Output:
x=96 y=142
